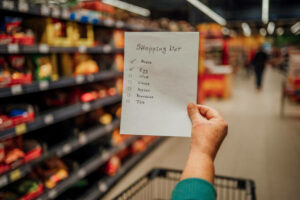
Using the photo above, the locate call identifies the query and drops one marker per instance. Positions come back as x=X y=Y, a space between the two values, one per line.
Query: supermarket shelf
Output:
x=85 y=169
x=61 y=83
x=103 y=186
x=58 y=115
x=44 y=49
x=60 y=150
x=25 y=7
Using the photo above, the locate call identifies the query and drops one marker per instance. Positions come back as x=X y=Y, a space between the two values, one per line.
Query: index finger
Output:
x=209 y=112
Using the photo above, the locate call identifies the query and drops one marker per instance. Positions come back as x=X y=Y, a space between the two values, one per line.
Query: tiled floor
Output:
x=260 y=145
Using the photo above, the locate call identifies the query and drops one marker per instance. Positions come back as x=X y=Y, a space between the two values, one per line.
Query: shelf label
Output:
x=15 y=175
x=82 y=139
x=66 y=148
x=119 y=24
x=21 y=129
x=82 y=49
x=16 y=89
x=43 y=48
x=108 y=127
x=108 y=22
x=55 y=12
x=91 y=78
x=3 y=181
x=81 y=173
x=86 y=107
x=107 y=48
x=7 y=4
x=13 y=48
x=102 y=187
x=49 y=119
x=65 y=14
x=45 y=10
x=105 y=156
x=79 y=79
x=44 y=85
x=52 y=194
x=23 y=6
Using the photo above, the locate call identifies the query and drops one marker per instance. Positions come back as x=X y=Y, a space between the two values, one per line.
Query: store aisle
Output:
x=260 y=144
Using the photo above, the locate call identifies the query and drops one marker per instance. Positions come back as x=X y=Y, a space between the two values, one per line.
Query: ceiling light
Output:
x=271 y=28
x=265 y=11
x=246 y=29
x=209 y=12
x=295 y=28
x=129 y=7
x=262 y=32
x=280 y=31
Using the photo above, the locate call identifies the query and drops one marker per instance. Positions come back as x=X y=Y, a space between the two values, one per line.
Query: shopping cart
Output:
x=159 y=183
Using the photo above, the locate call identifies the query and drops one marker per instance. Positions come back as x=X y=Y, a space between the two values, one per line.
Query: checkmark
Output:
x=132 y=61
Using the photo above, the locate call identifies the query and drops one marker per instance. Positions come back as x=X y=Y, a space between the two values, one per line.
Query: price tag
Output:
x=7 y=4
x=3 y=181
x=44 y=85
x=23 y=6
x=105 y=156
x=13 y=48
x=107 y=49
x=108 y=127
x=45 y=10
x=82 y=49
x=91 y=78
x=55 y=12
x=65 y=14
x=86 y=107
x=81 y=173
x=108 y=22
x=82 y=139
x=21 y=129
x=119 y=24
x=49 y=119
x=66 y=148
x=15 y=175
x=52 y=194
x=43 y=48
x=102 y=187
x=16 y=89
x=79 y=79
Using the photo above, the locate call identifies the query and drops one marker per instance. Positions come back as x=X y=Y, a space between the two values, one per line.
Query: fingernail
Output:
x=191 y=105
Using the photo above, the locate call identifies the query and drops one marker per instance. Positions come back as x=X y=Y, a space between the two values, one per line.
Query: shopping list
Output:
x=160 y=79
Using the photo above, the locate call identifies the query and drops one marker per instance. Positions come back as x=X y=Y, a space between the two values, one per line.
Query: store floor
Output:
x=260 y=145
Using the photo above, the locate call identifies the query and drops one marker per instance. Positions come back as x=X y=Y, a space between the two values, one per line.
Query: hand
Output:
x=208 y=130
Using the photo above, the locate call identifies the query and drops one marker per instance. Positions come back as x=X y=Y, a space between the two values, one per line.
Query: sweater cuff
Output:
x=194 y=189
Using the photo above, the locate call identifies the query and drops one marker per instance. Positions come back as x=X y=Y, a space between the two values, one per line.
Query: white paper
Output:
x=160 y=79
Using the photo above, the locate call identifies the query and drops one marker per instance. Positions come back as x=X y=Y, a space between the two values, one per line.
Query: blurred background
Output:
x=61 y=68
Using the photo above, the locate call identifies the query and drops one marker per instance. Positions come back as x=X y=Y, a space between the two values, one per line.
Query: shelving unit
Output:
x=58 y=115
x=66 y=146
x=63 y=148
x=60 y=83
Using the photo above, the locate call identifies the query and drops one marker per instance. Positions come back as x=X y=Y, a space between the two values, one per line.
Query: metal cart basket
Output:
x=159 y=183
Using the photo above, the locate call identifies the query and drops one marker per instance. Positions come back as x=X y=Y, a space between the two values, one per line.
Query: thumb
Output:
x=194 y=113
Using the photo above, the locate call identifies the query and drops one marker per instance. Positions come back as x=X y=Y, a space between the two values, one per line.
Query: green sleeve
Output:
x=194 y=189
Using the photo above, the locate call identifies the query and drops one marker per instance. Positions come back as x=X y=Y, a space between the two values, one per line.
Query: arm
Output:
x=208 y=131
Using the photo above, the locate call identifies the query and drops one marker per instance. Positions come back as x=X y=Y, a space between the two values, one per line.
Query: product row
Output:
x=55 y=32
x=24 y=69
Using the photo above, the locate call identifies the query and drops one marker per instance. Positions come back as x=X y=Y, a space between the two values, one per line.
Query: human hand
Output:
x=208 y=130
